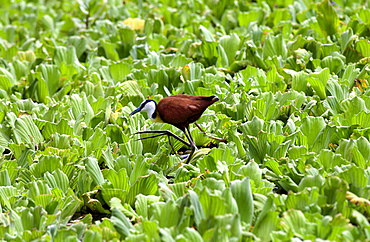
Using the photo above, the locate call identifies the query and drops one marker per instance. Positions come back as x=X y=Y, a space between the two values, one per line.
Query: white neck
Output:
x=150 y=109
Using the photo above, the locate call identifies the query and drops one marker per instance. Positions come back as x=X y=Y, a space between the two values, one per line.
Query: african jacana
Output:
x=178 y=110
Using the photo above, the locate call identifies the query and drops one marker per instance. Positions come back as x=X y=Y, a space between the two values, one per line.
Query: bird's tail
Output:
x=209 y=98
x=213 y=98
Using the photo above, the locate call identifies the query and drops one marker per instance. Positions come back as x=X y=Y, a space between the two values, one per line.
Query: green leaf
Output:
x=275 y=46
x=192 y=235
x=80 y=44
x=110 y=50
x=119 y=71
x=121 y=222
x=25 y=131
x=242 y=194
x=67 y=56
x=318 y=81
x=350 y=73
x=355 y=176
x=81 y=108
x=8 y=78
x=6 y=193
x=327 y=18
x=58 y=179
x=143 y=203
x=146 y=185
x=93 y=169
x=266 y=107
x=50 y=75
x=330 y=160
x=267 y=221
x=295 y=221
x=209 y=52
x=207 y=35
x=213 y=205
x=346 y=39
x=47 y=163
x=363 y=47
x=252 y=171
x=197 y=208
x=311 y=128
x=245 y=18
x=230 y=44
x=334 y=63
x=167 y=214
x=5 y=83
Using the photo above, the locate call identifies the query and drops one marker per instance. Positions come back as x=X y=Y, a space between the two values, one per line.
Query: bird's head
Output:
x=148 y=106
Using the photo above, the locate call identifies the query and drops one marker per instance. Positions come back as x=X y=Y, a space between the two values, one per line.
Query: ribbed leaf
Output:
x=36 y=188
x=192 y=235
x=142 y=204
x=207 y=35
x=141 y=168
x=10 y=80
x=131 y=88
x=26 y=131
x=167 y=214
x=213 y=205
x=121 y=222
x=230 y=44
x=4 y=178
x=334 y=63
x=6 y=193
x=69 y=207
x=43 y=200
x=67 y=56
x=252 y=171
x=5 y=83
x=57 y=179
x=50 y=74
x=295 y=222
x=47 y=163
x=311 y=128
x=93 y=169
x=363 y=47
x=318 y=81
x=119 y=71
x=209 y=52
x=109 y=193
x=119 y=179
x=242 y=194
x=198 y=211
x=80 y=43
x=110 y=50
x=80 y=106
x=266 y=224
x=275 y=46
x=355 y=176
x=146 y=185
x=328 y=18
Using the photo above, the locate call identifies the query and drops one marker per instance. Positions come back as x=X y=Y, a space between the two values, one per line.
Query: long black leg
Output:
x=160 y=133
x=192 y=144
x=169 y=141
x=149 y=137
x=169 y=133
x=209 y=136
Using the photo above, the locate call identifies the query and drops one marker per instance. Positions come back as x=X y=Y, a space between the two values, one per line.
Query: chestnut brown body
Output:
x=182 y=110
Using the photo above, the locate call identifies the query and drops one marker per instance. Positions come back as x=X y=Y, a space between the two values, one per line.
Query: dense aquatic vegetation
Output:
x=292 y=79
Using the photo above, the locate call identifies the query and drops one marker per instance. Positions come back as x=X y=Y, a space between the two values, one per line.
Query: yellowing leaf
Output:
x=134 y=23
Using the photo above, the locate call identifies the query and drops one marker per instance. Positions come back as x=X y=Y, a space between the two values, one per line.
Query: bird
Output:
x=178 y=110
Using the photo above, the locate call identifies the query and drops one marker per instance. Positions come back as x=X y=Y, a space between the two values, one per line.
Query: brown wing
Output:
x=180 y=110
x=176 y=110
